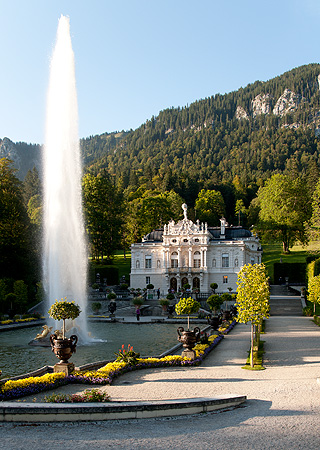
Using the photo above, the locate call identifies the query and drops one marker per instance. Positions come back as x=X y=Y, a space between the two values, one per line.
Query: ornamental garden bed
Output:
x=14 y=389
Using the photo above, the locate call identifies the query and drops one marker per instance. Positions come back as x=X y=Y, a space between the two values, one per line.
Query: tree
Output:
x=240 y=209
x=17 y=256
x=313 y=227
x=103 y=213
x=314 y=291
x=31 y=185
x=150 y=210
x=215 y=301
x=284 y=208
x=210 y=206
x=253 y=299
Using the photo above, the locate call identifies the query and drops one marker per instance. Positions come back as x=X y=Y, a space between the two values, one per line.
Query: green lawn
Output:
x=272 y=253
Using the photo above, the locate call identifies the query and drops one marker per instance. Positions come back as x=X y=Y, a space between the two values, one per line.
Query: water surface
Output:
x=17 y=357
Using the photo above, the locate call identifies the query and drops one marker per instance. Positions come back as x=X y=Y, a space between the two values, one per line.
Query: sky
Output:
x=135 y=58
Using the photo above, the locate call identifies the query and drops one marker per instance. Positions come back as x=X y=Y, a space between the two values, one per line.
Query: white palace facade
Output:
x=193 y=253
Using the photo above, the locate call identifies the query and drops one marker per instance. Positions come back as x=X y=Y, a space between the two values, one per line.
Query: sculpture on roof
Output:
x=185 y=207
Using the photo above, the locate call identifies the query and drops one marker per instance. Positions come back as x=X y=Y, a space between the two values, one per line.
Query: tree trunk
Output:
x=252 y=342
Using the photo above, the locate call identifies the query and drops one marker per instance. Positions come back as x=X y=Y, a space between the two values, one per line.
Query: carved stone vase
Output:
x=188 y=339
x=63 y=348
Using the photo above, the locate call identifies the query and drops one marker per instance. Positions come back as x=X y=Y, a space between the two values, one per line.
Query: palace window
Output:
x=196 y=260
x=225 y=279
x=148 y=262
x=174 y=259
x=148 y=280
x=225 y=259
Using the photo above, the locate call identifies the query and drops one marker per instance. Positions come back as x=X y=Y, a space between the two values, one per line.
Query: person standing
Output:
x=138 y=313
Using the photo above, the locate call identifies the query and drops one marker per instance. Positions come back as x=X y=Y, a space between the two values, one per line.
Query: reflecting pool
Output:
x=17 y=357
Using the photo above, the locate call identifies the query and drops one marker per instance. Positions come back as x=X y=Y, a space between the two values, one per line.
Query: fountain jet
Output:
x=65 y=254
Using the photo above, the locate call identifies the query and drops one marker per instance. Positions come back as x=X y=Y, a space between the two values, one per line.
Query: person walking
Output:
x=138 y=313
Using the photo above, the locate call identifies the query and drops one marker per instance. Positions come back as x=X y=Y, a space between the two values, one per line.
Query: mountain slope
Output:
x=251 y=133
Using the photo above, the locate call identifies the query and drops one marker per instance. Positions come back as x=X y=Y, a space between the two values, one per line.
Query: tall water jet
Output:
x=64 y=258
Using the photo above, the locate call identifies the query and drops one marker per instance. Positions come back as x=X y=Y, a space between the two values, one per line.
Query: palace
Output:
x=193 y=253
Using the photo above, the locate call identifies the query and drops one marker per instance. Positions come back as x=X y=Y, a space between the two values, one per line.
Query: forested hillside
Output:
x=243 y=136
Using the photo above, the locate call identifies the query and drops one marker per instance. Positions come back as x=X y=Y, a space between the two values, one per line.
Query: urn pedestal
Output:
x=63 y=349
x=188 y=339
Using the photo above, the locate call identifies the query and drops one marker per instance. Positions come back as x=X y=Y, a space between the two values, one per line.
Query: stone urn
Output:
x=214 y=322
x=63 y=348
x=188 y=339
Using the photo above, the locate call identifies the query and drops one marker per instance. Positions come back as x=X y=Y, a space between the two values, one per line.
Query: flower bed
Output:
x=105 y=375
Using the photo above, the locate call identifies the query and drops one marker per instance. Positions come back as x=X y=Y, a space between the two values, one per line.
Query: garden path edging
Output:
x=48 y=412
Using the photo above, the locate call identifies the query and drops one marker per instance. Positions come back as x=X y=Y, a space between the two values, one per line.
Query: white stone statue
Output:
x=185 y=207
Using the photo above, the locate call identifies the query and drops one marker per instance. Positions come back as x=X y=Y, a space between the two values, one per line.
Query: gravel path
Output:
x=282 y=411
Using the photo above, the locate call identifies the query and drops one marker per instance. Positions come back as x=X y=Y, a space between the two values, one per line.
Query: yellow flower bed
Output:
x=48 y=379
x=29 y=319
x=6 y=322
x=212 y=338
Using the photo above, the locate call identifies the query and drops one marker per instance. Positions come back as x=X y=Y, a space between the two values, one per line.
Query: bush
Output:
x=138 y=301
x=164 y=302
x=96 y=306
x=307 y=311
x=215 y=301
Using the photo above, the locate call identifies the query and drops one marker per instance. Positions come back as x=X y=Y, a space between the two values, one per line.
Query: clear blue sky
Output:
x=135 y=58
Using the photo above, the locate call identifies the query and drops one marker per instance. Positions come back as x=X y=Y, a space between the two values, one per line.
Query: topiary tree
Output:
x=314 y=291
x=214 y=286
x=215 y=301
x=96 y=306
x=253 y=299
x=226 y=297
x=138 y=301
x=63 y=310
x=187 y=306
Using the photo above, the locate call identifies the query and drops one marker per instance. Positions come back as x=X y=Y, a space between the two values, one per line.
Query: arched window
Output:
x=196 y=283
x=196 y=260
x=173 y=284
x=174 y=259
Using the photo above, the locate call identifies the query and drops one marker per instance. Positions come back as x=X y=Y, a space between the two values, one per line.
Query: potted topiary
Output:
x=226 y=297
x=213 y=286
x=186 y=337
x=96 y=306
x=215 y=301
x=112 y=296
x=61 y=346
x=164 y=302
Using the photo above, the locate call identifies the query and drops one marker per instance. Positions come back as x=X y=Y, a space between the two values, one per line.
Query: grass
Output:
x=257 y=359
x=272 y=253
x=123 y=264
